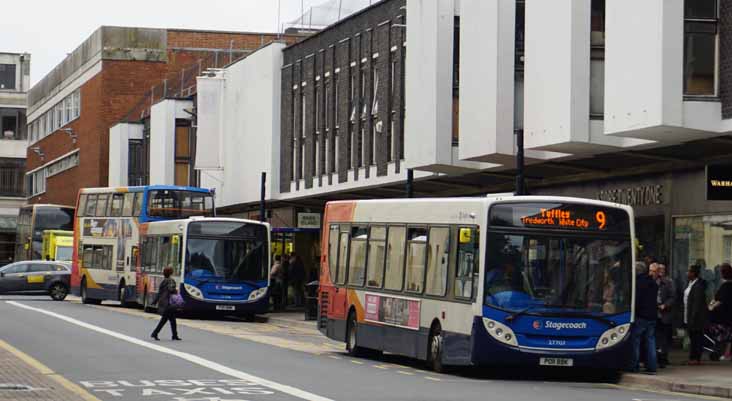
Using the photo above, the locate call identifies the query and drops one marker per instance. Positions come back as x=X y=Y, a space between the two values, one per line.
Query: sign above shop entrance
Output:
x=642 y=195
x=719 y=182
x=308 y=220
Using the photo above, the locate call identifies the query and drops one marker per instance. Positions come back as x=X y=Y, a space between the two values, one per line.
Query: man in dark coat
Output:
x=646 y=313
x=665 y=301
x=695 y=313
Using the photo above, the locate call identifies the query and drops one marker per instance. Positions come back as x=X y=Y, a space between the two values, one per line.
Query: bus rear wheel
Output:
x=352 y=337
x=85 y=296
x=434 y=352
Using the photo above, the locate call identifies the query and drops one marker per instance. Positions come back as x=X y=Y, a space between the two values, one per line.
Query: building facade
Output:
x=14 y=86
x=108 y=79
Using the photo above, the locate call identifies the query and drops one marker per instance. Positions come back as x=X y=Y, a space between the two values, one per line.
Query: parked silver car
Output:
x=36 y=277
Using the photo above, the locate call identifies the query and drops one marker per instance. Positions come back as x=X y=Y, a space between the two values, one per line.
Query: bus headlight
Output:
x=258 y=293
x=500 y=332
x=193 y=291
x=613 y=336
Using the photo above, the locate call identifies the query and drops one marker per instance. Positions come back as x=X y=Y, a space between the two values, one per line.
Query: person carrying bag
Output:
x=168 y=301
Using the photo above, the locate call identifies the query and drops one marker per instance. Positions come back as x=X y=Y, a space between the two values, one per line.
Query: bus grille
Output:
x=323 y=311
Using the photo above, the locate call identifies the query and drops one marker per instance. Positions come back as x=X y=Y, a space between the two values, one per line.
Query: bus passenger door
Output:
x=340 y=292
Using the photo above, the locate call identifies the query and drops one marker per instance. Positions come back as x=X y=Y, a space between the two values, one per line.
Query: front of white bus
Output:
x=558 y=284
x=226 y=266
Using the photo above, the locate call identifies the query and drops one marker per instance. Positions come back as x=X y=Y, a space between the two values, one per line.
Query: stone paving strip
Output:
x=23 y=378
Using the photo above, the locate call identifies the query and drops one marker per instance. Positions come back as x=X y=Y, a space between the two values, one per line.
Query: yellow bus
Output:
x=58 y=245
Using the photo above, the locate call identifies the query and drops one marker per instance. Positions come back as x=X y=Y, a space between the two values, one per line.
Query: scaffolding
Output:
x=325 y=14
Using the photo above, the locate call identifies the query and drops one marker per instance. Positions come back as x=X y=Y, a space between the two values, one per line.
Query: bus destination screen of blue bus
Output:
x=564 y=216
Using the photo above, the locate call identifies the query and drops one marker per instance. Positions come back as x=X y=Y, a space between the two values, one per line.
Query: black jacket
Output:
x=696 y=306
x=165 y=290
x=722 y=314
x=668 y=296
x=646 y=291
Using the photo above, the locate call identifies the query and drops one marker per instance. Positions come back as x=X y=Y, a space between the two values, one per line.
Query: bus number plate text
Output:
x=556 y=362
x=225 y=307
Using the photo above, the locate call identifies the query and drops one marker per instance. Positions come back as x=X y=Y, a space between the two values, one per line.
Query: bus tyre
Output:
x=434 y=350
x=352 y=336
x=58 y=292
x=85 y=296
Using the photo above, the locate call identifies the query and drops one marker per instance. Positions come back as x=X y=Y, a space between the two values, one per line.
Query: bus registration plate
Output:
x=556 y=362
x=225 y=307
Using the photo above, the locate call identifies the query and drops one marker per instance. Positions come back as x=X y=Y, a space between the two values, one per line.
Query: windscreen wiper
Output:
x=516 y=314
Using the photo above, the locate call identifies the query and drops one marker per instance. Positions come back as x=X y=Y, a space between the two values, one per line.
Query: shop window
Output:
x=357 y=255
x=438 y=257
x=701 y=19
x=416 y=258
x=375 y=257
x=395 y=258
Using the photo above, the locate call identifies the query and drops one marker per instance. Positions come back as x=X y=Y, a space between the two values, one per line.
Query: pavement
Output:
x=106 y=352
x=711 y=378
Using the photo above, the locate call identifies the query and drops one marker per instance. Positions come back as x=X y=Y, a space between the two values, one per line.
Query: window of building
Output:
x=396 y=242
x=12 y=172
x=64 y=112
x=7 y=76
x=376 y=257
x=374 y=113
x=701 y=37
x=438 y=258
x=183 y=159
x=416 y=258
x=357 y=255
x=303 y=134
x=597 y=60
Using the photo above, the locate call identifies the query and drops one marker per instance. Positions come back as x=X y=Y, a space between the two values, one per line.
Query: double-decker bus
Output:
x=501 y=280
x=107 y=234
x=32 y=221
x=220 y=264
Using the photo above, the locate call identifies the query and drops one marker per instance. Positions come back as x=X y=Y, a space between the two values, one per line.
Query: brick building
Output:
x=106 y=79
x=14 y=85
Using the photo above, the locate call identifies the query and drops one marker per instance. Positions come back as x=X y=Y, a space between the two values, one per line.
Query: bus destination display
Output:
x=559 y=216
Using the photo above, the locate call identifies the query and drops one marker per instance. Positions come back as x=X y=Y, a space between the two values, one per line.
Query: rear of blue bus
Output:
x=226 y=267
x=558 y=286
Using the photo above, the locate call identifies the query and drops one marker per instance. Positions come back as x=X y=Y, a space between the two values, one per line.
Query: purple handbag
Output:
x=176 y=301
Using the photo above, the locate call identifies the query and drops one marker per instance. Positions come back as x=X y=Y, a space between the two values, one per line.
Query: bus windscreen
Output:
x=177 y=204
x=563 y=216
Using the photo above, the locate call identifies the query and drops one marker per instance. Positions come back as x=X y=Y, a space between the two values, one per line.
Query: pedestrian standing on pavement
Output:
x=167 y=288
x=720 y=312
x=276 y=276
x=646 y=313
x=296 y=275
x=665 y=301
x=695 y=313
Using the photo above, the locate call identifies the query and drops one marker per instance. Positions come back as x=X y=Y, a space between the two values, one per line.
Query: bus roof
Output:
x=142 y=188
x=36 y=205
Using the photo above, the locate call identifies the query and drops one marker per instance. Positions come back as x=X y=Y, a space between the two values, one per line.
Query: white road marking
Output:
x=295 y=392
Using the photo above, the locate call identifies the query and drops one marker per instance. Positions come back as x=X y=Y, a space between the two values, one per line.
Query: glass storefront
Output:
x=703 y=240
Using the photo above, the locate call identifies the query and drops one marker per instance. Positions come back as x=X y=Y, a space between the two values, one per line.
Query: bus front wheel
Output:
x=434 y=352
x=85 y=296
x=352 y=336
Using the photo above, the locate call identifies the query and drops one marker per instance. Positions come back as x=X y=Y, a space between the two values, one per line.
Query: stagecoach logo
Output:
x=563 y=325
x=228 y=287
x=537 y=325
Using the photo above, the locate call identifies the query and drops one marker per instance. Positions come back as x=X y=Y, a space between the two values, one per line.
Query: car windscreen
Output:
x=590 y=274
x=64 y=253
x=226 y=251
x=177 y=204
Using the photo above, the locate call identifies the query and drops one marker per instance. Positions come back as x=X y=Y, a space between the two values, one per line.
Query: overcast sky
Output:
x=49 y=29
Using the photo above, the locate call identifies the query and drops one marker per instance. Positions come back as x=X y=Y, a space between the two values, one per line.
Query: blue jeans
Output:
x=644 y=330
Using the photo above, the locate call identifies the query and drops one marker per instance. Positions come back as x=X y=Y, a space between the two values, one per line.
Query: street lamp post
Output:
x=520 y=181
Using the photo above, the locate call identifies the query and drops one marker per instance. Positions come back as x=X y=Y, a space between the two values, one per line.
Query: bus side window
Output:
x=467 y=262
x=88 y=257
x=102 y=205
x=163 y=254
x=127 y=204
x=135 y=255
x=145 y=263
x=342 y=256
x=416 y=259
x=116 y=205
x=137 y=206
x=396 y=238
x=357 y=255
x=438 y=260
x=82 y=205
x=333 y=252
x=109 y=263
x=91 y=205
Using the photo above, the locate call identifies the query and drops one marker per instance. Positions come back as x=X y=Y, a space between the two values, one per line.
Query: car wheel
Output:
x=58 y=292
x=352 y=337
x=434 y=352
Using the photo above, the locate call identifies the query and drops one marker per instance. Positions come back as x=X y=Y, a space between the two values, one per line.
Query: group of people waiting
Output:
x=285 y=274
x=657 y=299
